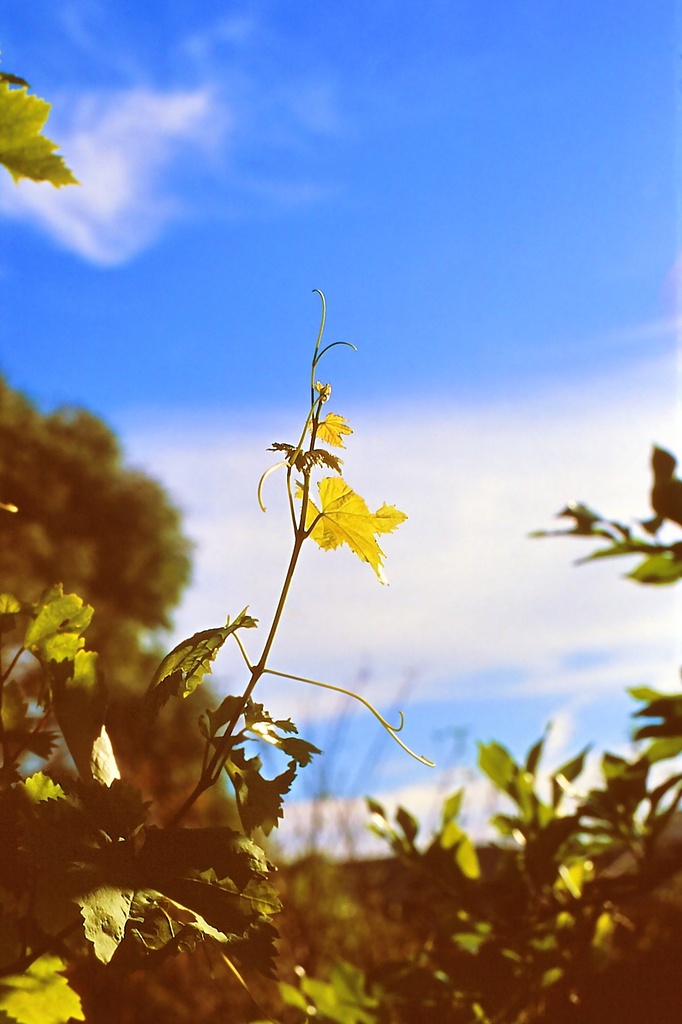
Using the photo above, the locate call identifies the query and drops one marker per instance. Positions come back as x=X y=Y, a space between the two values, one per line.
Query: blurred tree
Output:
x=105 y=531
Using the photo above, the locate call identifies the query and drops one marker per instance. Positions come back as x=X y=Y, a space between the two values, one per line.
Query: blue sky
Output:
x=487 y=194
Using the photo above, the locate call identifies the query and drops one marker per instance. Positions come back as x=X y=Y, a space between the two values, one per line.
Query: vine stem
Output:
x=212 y=770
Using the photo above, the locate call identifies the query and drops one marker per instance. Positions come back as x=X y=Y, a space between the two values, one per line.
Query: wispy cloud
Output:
x=473 y=602
x=124 y=147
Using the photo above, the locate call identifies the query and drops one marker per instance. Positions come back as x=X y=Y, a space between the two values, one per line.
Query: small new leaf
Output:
x=344 y=518
x=305 y=461
x=332 y=428
x=23 y=150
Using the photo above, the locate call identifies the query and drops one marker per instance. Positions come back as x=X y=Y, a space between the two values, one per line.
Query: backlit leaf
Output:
x=23 y=150
x=498 y=764
x=40 y=787
x=467 y=858
x=304 y=461
x=105 y=912
x=260 y=722
x=54 y=632
x=659 y=569
x=183 y=669
x=103 y=765
x=344 y=518
x=40 y=995
x=332 y=428
x=9 y=608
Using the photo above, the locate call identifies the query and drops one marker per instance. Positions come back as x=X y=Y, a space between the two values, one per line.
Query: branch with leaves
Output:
x=84 y=866
x=662 y=563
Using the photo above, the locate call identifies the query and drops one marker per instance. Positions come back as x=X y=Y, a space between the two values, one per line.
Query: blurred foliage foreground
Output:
x=573 y=914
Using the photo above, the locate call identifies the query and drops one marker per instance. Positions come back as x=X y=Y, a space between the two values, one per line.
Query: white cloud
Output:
x=471 y=597
x=123 y=147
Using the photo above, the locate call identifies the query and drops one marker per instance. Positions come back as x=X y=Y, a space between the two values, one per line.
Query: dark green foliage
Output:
x=666 y=493
x=553 y=921
x=183 y=669
x=663 y=562
x=107 y=532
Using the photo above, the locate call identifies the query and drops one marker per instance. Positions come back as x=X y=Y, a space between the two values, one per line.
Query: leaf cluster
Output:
x=522 y=929
x=662 y=562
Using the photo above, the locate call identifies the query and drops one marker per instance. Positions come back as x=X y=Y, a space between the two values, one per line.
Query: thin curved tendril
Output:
x=262 y=480
x=317 y=343
x=392 y=730
x=333 y=344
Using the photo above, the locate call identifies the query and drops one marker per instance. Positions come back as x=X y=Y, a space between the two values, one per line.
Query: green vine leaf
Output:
x=23 y=150
x=344 y=518
x=40 y=995
x=173 y=852
x=259 y=722
x=40 y=787
x=9 y=609
x=259 y=800
x=58 y=620
x=105 y=911
x=183 y=669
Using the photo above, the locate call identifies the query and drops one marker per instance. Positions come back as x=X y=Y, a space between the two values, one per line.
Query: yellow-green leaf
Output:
x=23 y=150
x=54 y=633
x=332 y=429
x=40 y=787
x=40 y=995
x=344 y=518
x=9 y=604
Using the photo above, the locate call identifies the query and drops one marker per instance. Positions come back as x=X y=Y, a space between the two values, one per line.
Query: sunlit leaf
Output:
x=260 y=722
x=54 y=632
x=103 y=765
x=40 y=995
x=332 y=429
x=105 y=912
x=23 y=150
x=344 y=518
x=304 y=460
x=40 y=787
x=9 y=609
x=498 y=764
x=183 y=669
x=659 y=569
